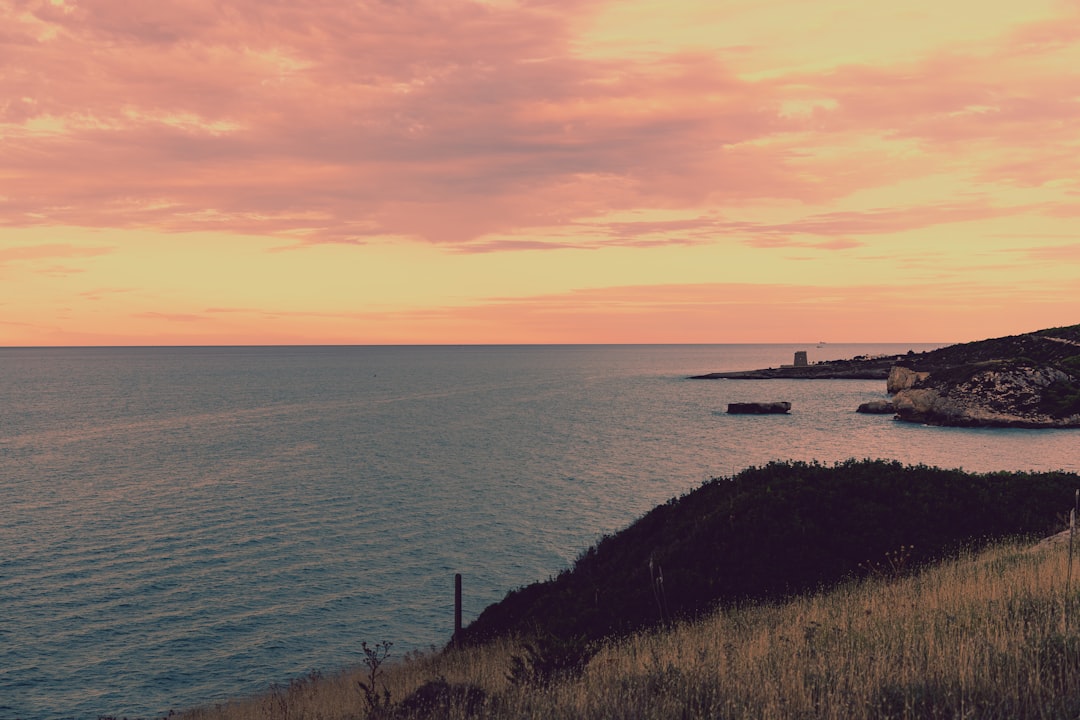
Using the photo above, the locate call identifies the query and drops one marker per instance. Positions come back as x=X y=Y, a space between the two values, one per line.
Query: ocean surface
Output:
x=180 y=526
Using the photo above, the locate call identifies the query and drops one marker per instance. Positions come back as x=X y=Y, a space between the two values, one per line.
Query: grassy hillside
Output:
x=981 y=636
x=772 y=532
x=1052 y=346
x=733 y=630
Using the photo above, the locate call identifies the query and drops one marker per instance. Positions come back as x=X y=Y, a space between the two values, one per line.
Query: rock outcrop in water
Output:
x=1030 y=380
x=877 y=407
x=758 y=408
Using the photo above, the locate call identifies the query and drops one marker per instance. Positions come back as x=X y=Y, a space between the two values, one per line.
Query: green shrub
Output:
x=1061 y=399
x=550 y=659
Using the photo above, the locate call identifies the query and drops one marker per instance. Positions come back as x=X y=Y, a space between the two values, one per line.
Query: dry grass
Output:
x=980 y=637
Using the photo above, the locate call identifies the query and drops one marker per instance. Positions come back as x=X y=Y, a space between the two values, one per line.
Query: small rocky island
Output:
x=758 y=408
x=1026 y=381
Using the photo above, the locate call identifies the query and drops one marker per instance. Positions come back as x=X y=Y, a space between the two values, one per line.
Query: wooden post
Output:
x=457 y=607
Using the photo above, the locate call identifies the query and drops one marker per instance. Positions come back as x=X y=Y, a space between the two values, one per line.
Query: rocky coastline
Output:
x=1023 y=381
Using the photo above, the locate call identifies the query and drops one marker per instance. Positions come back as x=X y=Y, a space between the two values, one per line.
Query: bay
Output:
x=179 y=526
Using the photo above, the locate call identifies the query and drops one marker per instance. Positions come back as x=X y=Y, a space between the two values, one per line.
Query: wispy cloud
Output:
x=744 y=312
x=101 y=293
x=48 y=251
x=456 y=120
x=172 y=317
x=242 y=143
x=1057 y=253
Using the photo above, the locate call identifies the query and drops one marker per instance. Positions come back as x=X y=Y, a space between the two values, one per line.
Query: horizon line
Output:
x=816 y=343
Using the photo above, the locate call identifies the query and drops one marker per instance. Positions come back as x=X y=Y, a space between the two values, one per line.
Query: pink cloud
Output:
x=1037 y=38
x=454 y=121
x=446 y=121
x=769 y=241
x=917 y=311
x=891 y=220
x=837 y=227
x=1054 y=253
x=60 y=271
x=49 y=251
x=99 y=293
x=172 y=317
x=840 y=244
x=928 y=312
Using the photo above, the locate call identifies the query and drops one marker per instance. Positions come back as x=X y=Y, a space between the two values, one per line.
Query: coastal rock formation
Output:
x=877 y=407
x=758 y=408
x=1002 y=397
x=1030 y=381
x=902 y=378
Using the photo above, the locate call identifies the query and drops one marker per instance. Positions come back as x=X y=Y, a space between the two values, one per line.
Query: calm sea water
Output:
x=179 y=526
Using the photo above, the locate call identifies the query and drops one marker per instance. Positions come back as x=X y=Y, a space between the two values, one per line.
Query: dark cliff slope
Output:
x=772 y=531
x=1054 y=346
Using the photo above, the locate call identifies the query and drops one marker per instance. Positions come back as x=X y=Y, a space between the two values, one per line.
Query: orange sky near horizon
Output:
x=537 y=171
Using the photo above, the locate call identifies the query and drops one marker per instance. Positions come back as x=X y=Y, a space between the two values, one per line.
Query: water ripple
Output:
x=180 y=526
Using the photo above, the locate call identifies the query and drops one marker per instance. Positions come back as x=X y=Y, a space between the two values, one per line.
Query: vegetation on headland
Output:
x=864 y=590
x=771 y=532
x=1052 y=346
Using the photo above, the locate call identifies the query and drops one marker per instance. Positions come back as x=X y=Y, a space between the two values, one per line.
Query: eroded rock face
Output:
x=902 y=378
x=1029 y=380
x=995 y=396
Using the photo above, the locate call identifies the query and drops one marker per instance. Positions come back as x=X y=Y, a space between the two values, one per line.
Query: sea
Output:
x=184 y=525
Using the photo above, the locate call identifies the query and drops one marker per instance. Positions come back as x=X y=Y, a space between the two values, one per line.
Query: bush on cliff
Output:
x=771 y=532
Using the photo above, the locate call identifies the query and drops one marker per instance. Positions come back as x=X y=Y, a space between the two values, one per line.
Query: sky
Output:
x=233 y=172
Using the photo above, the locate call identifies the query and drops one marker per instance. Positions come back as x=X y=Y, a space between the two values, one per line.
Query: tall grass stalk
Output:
x=1068 y=571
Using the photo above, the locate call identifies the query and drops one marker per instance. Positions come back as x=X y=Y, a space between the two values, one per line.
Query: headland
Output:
x=1030 y=380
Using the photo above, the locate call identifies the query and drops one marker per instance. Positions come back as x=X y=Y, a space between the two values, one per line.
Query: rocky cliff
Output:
x=1030 y=380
